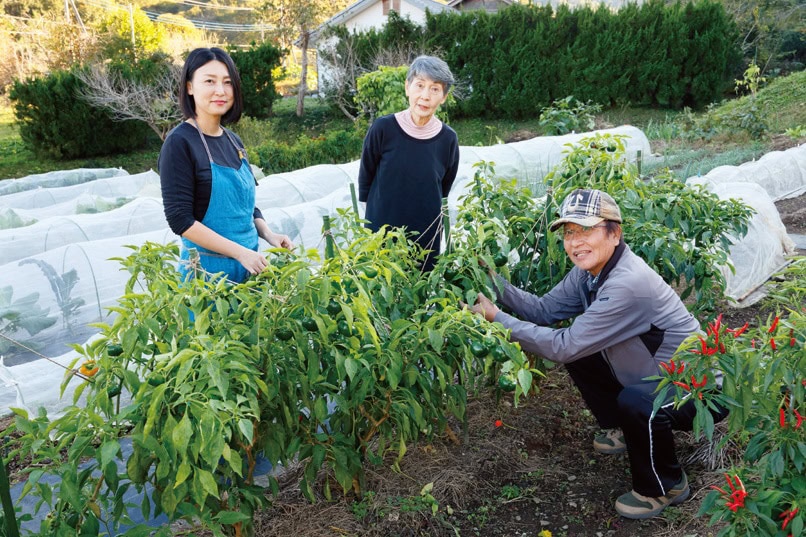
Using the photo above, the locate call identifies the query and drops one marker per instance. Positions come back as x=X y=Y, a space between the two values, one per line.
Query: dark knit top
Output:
x=186 y=177
x=403 y=179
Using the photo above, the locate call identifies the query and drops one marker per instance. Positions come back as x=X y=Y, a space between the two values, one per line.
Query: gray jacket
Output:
x=629 y=314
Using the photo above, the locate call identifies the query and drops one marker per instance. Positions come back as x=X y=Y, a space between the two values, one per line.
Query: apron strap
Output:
x=201 y=135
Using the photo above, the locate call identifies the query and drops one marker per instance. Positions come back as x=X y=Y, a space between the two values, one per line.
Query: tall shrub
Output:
x=54 y=122
x=517 y=61
x=255 y=66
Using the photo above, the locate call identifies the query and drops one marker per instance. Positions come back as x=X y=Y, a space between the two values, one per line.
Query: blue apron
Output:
x=230 y=214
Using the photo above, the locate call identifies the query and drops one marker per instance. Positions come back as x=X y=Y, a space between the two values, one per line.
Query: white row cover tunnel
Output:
x=57 y=272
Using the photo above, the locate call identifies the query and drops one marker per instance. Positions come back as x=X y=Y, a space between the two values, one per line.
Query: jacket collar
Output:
x=595 y=282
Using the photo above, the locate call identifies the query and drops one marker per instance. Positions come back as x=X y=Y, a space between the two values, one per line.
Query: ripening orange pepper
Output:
x=88 y=368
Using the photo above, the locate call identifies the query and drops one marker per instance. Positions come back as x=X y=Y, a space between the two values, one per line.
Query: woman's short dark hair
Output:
x=197 y=58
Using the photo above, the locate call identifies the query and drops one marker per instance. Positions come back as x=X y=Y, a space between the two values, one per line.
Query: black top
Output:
x=186 y=177
x=403 y=179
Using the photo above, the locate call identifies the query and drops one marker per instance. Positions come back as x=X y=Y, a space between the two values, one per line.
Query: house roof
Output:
x=361 y=5
x=458 y=3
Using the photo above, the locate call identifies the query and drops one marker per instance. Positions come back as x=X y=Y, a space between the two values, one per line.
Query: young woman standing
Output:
x=208 y=189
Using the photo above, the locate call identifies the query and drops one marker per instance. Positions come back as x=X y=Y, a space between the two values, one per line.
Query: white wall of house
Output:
x=374 y=17
x=371 y=17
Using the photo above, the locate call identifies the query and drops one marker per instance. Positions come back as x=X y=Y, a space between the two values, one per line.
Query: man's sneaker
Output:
x=634 y=505
x=610 y=442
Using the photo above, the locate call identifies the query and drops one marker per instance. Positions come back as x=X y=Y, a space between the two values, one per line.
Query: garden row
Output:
x=344 y=362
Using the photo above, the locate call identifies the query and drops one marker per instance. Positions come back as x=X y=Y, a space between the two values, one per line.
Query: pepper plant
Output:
x=762 y=374
x=336 y=362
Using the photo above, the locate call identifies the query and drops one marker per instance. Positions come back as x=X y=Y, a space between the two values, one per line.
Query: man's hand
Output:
x=484 y=307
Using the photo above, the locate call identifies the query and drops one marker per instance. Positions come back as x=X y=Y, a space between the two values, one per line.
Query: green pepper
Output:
x=344 y=328
x=284 y=334
x=113 y=349
x=113 y=391
x=333 y=307
x=506 y=383
x=500 y=259
x=499 y=355
x=478 y=349
x=370 y=272
x=309 y=324
x=156 y=379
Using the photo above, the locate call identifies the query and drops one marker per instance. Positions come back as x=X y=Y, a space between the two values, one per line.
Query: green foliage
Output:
x=55 y=123
x=61 y=285
x=517 y=61
x=120 y=45
x=568 y=115
x=382 y=92
x=682 y=232
x=764 y=388
x=356 y=53
x=751 y=79
x=255 y=66
x=335 y=147
x=336 y=363
x=21 y=314
x=796 y=132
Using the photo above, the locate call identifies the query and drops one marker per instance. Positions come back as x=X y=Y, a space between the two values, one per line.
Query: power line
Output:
x=200 y=24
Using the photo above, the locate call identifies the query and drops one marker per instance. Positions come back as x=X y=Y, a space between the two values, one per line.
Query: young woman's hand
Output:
x=252 y=261
x=278 y=240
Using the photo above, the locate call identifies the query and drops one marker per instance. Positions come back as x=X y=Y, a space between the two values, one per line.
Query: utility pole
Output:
x=131 y=24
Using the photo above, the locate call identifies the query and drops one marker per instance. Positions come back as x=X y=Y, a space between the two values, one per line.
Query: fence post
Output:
x=9 y=516
x=330 y=250
x=446 y=223
x=355 y=200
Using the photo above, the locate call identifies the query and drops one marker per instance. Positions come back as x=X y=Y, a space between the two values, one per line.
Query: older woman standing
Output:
x=410 y=159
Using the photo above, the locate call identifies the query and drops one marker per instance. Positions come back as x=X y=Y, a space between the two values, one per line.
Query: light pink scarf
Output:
x=427 y=131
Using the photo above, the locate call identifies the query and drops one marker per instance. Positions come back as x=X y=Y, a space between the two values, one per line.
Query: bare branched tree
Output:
x=340 y=68
x=154 y=103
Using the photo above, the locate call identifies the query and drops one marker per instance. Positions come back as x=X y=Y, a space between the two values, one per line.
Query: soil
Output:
x=536 y=471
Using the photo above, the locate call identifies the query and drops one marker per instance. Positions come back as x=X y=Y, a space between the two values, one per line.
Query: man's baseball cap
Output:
x=587 y=207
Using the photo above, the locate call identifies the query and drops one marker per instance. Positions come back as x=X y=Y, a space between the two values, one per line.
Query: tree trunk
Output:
x=303 y=84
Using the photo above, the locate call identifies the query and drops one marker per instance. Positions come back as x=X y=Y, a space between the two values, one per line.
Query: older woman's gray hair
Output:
x=432 y=68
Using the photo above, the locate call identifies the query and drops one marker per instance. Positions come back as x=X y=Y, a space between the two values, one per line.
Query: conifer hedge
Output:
x=517 y=61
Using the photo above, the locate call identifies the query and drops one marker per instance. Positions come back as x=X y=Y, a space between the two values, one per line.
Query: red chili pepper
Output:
x=739 y=331
x=753 y=343
x=782 y=418
x=772 y=344
x=722 y=347
x=680 y=368
x=669 y=368
x=737 y=496
x=788 y=515
x=798 y=417
x=773 y=326
x=499 y=423
x=701 y=383
x=682 y=385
